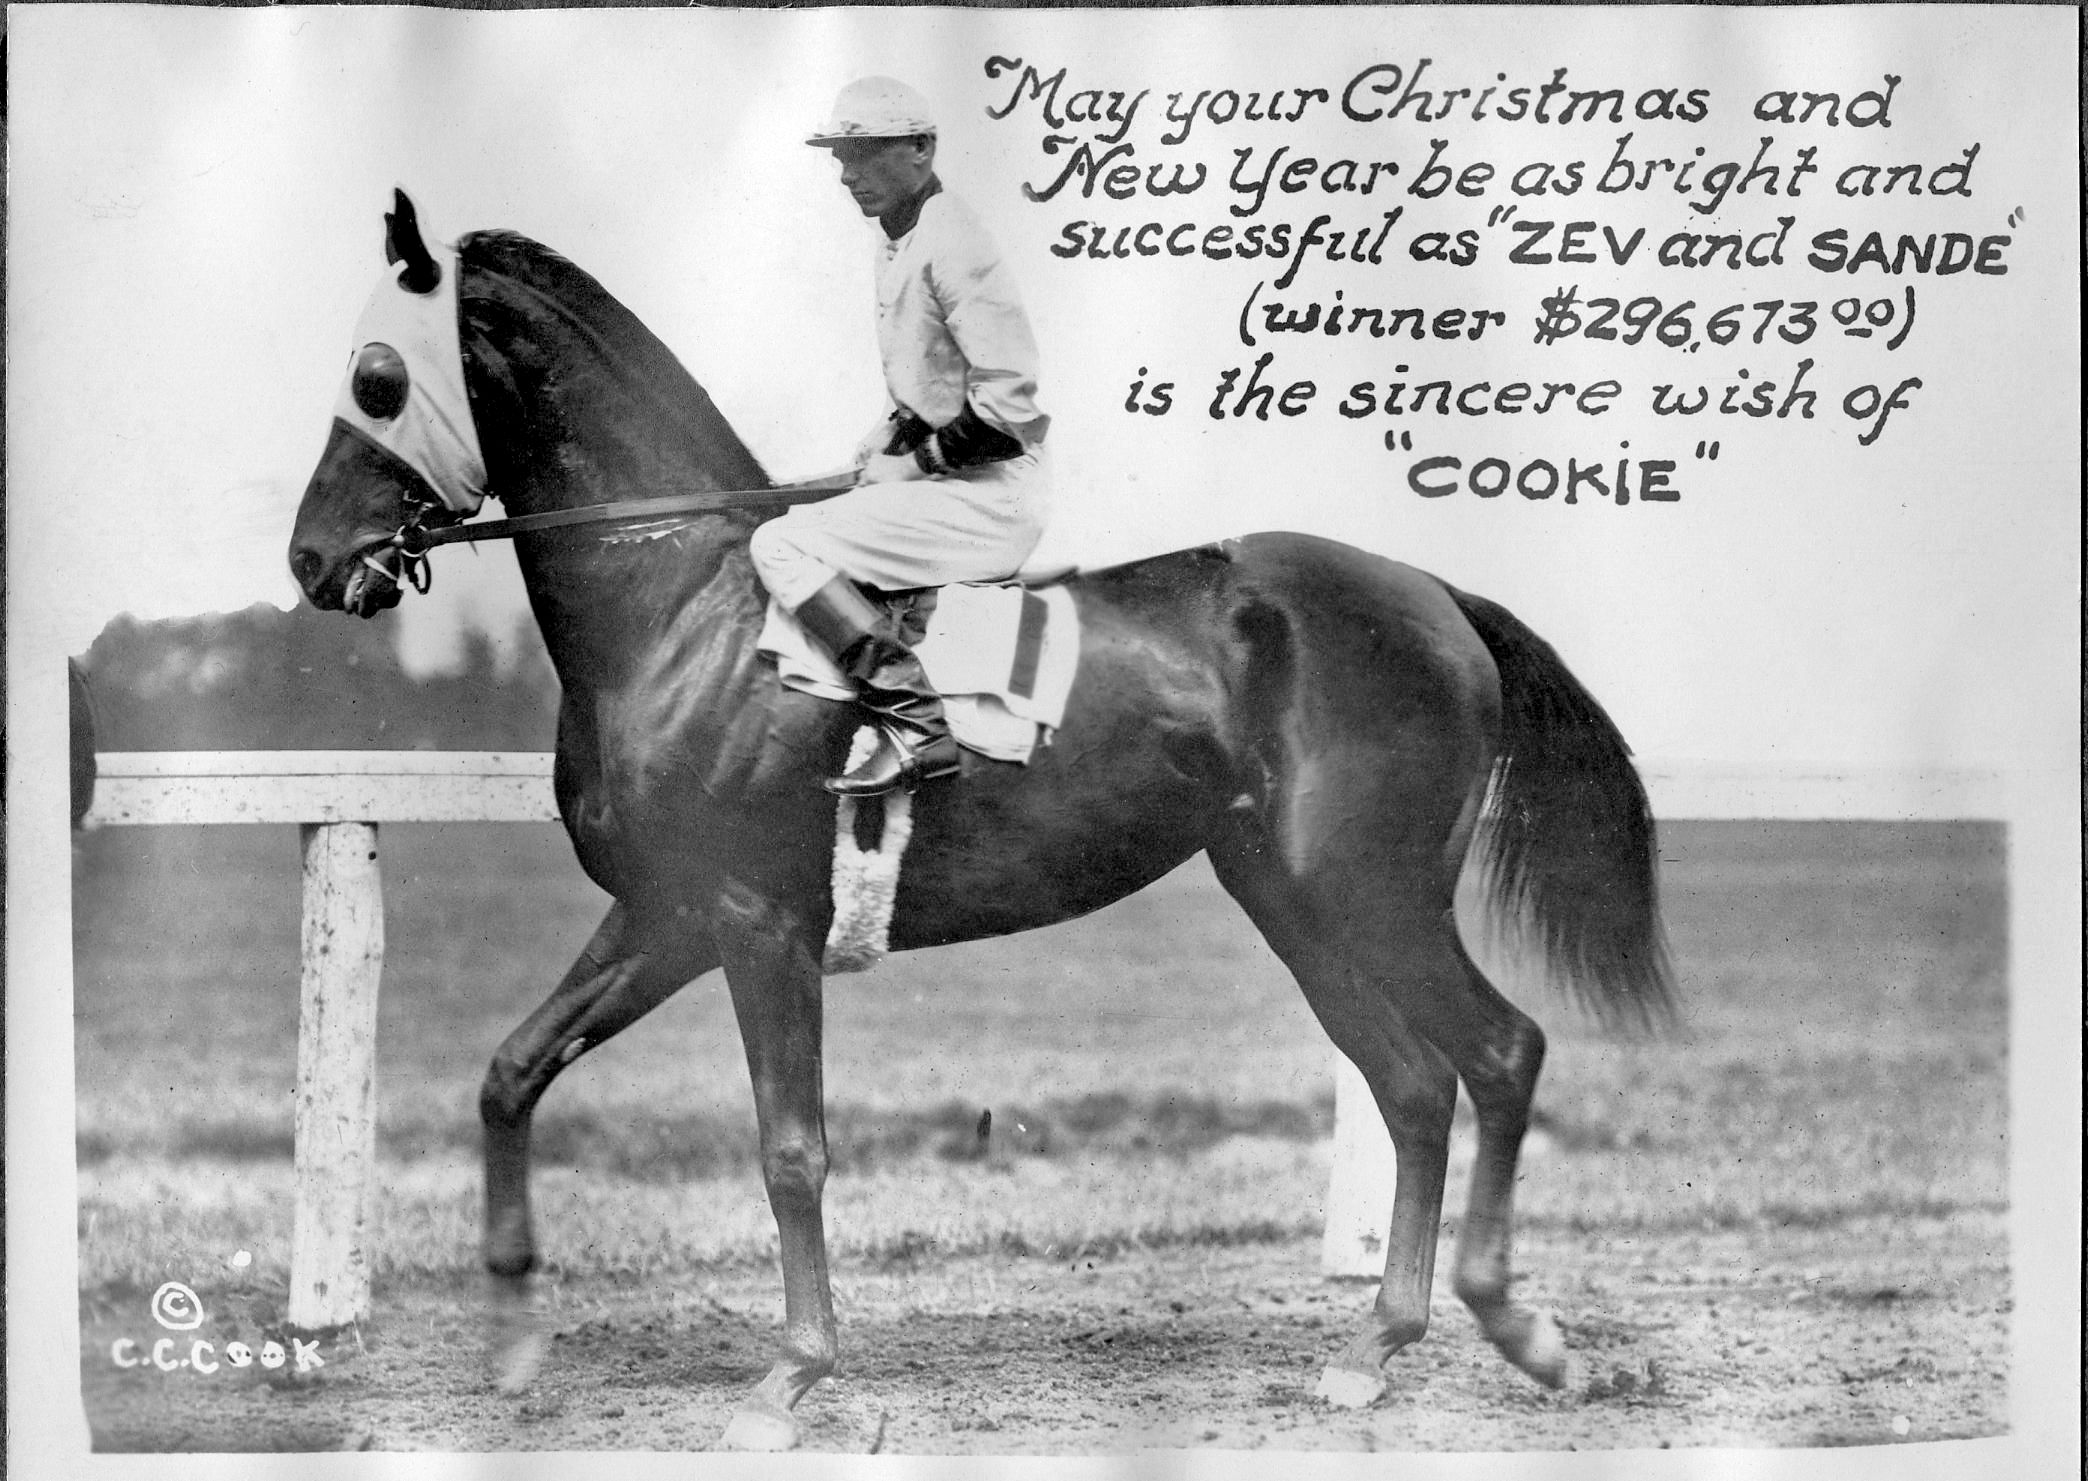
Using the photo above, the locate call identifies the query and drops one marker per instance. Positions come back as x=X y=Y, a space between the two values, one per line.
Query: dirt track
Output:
x=1784 y=1226
x=1687 y=1340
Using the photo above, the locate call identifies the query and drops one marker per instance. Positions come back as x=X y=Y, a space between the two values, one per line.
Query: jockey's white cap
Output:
x=875 y=108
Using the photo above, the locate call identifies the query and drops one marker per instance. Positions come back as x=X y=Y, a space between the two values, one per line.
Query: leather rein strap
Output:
x=417 y=539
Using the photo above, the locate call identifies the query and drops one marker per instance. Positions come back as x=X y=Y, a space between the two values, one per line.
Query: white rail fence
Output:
x=338 y=798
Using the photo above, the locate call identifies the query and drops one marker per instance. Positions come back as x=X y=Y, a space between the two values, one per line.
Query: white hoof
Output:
x=518 y=1340
x=1349 y=1388
x=517 y=1359
x=760 y=1427
x=1544 y=1356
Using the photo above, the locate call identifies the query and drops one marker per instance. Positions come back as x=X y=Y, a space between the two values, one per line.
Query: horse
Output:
x=1335 y=730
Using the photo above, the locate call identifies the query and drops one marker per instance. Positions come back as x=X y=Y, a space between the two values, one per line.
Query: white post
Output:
x=1359 y=1195
x=336 y=1118
x=338 y=797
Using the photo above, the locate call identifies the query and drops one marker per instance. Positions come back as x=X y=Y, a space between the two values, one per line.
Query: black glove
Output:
x=967 y=442
x=908 y=433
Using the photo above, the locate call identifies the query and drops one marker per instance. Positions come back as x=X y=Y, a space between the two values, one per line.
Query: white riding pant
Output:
x=977 y=524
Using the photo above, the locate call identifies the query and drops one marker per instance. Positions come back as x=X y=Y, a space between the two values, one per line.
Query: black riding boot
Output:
x=914 y=744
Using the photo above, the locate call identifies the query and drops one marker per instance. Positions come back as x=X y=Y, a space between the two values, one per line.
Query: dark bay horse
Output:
x=1332 y=728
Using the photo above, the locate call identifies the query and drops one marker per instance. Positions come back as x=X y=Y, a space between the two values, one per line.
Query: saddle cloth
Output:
x=1002 y=657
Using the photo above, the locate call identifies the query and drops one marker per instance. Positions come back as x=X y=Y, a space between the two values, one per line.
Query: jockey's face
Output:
x=884 y=174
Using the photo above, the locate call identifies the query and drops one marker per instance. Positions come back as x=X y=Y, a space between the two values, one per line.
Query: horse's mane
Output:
x=646 y=368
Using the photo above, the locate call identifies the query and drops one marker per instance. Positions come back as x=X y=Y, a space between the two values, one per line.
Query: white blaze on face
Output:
x=431 y=430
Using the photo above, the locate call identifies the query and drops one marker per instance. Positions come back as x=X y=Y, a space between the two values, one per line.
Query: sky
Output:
x=195 y=221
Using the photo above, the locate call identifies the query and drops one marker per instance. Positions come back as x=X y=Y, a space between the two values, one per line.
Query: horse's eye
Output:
x=379 y=381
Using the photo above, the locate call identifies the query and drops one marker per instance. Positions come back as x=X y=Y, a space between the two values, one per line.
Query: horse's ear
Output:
x=402 y=243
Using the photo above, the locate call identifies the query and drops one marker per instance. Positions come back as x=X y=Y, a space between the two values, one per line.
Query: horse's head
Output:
x=404 y=448
x=570 y=400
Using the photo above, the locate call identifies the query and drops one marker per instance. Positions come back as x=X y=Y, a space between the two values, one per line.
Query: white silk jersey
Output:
x=951 y=326
x=433 y=433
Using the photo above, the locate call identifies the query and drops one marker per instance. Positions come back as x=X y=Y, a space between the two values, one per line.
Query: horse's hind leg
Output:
x=1416 y=1092
x=1499 y=1052
x=1445 y=1000
x=623 y=973
x=1412 y=1081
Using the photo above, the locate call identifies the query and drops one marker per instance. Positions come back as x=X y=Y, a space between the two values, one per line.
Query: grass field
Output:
x=1155 y=1080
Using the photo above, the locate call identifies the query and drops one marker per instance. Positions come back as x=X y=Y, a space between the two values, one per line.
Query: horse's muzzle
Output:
x=363 y=583
x=373 y=583
x=343 y=553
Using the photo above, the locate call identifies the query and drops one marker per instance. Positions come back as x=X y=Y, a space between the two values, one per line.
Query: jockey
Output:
x=951 y=486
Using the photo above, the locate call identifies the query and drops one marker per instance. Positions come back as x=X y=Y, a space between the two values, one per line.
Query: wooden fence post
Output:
x=1359 y=1194
x=336 y=1116
x=339 y=798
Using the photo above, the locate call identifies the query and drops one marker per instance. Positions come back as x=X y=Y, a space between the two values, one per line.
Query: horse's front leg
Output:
x=625 y=971
x=772 y=964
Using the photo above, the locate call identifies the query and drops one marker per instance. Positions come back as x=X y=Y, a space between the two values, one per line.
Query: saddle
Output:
x=1001 y=655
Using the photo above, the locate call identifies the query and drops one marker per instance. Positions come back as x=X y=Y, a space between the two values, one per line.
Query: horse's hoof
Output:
x=1544 y=1356
x=516 y=1361
x=518 y=1342
x=1349 y=1388
x=1532 y=1341
x=760 y=1425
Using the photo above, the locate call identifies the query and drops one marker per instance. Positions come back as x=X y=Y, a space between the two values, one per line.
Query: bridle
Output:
x=424 y=518
x=429 y=522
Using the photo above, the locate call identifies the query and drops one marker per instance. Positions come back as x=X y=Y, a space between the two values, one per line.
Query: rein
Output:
x=414 y=539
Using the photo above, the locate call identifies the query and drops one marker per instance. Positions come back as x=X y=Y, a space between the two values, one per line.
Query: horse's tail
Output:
x=1567 y=843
